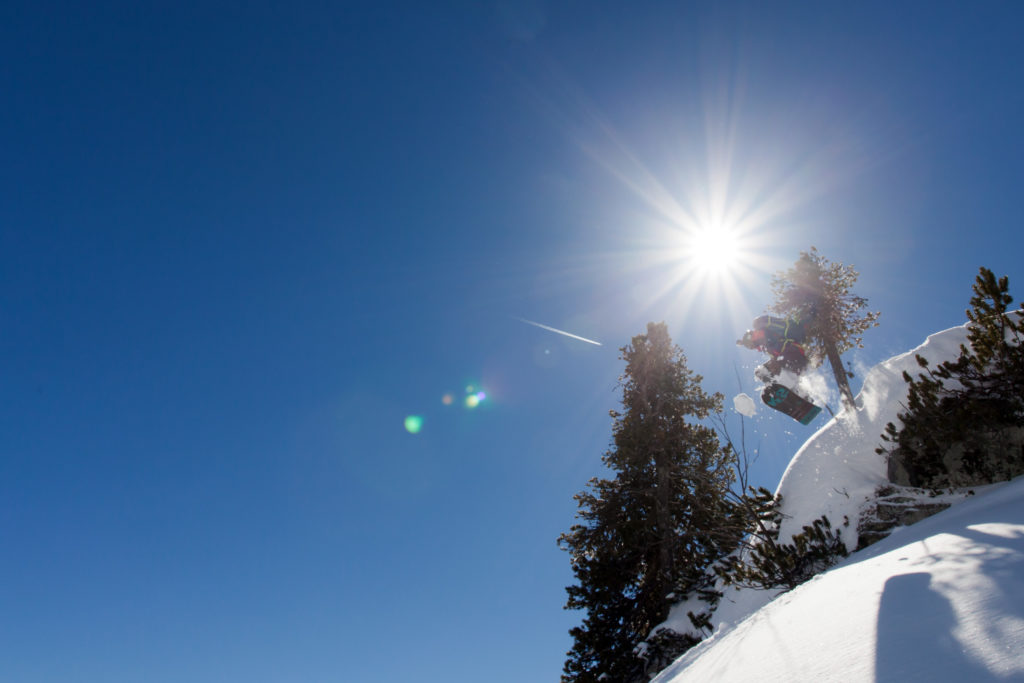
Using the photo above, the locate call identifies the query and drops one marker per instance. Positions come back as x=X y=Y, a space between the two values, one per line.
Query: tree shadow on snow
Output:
x=915 y=635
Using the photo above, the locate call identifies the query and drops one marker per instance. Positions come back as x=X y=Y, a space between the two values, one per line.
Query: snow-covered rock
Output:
x=837 y=470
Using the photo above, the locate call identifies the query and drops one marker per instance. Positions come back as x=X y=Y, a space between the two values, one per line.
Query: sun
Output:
x=714 y=249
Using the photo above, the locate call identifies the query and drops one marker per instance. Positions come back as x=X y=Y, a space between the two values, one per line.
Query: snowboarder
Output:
x=780 y=338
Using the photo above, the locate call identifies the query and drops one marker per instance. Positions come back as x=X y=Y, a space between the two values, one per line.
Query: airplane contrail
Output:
x=557 y=331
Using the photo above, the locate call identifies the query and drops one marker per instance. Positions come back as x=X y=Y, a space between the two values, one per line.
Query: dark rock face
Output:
x=986 y=457
x=897 y=506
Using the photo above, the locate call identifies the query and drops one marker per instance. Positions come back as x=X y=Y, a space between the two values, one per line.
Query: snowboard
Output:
x=786 y=401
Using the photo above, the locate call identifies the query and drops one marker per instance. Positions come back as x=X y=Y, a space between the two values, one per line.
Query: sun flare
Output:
x=715 y=249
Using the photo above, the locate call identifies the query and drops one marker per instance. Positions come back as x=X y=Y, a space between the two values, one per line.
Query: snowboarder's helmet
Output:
x=752 y=339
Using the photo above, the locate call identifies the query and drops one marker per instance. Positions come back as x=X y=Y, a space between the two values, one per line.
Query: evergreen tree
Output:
x=818 y=291
x=760 y=560
x=652 y=531
x=963 y=420
x=767 y=564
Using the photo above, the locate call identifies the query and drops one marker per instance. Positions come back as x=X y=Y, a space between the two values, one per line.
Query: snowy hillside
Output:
x=942 y=600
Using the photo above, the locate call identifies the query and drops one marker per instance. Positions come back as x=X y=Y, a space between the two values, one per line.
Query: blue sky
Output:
x=240 y=245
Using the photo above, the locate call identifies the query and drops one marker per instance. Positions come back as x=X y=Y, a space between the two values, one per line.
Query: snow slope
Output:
x=939 y=601
x=942 y=600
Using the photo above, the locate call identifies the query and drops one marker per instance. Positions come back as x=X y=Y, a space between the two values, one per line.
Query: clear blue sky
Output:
x=239 y=245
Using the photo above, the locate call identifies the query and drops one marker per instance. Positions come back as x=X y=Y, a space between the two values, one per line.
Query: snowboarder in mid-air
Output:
x=781 y=338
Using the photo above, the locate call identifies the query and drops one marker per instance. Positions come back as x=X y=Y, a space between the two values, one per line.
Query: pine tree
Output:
x=971 y=407
x=650 y=532
x=767 y=564
x=818 y=291
x=995 y=363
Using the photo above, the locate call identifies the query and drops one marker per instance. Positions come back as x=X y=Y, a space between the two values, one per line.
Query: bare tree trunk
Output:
x=842 y=381
x=667 y=541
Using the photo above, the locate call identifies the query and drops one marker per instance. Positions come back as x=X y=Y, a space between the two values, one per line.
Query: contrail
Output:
x=556 y=331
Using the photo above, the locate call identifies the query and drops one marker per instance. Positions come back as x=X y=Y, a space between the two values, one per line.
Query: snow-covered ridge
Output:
x=837 y=470
x=832 y=627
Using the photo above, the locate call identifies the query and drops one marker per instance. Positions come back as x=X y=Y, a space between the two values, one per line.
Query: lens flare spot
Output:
x=481 y=395
x=447 y=399
x=472 y=401
x=413 y=424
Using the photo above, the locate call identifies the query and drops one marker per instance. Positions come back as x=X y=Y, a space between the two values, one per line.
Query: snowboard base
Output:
x=786 y=401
